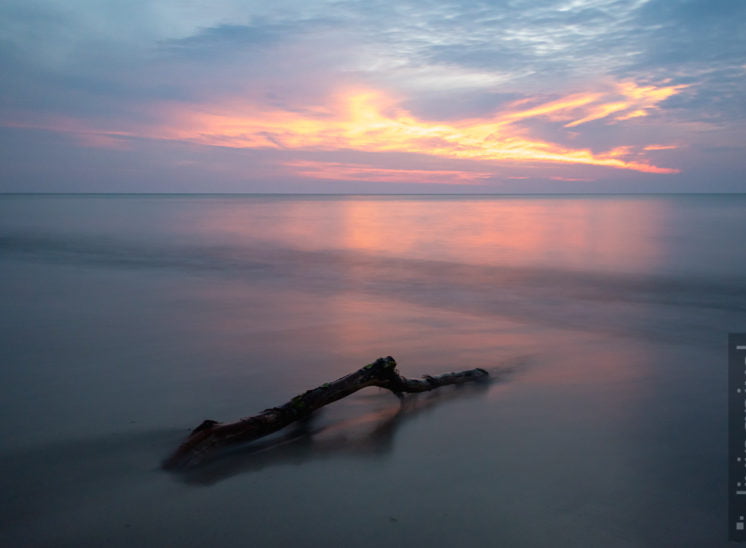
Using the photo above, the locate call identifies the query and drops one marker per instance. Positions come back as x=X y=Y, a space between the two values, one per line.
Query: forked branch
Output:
x=211 y=435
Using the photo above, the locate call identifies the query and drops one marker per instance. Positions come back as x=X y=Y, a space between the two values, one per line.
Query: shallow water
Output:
x=129 y=319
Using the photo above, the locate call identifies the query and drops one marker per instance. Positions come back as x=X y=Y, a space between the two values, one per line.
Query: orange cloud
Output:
x=363 y=172
x=634 y=114
x=626 y=98
x=660 y=147
x=371 y=121
x=554 y=110
x=571 y=179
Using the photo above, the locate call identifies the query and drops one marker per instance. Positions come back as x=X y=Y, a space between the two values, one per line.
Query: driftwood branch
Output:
x=211 y=435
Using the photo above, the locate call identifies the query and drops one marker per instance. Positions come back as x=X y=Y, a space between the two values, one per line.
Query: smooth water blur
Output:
x=129 y=319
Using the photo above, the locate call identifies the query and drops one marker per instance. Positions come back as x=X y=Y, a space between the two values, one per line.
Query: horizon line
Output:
x=370 y=193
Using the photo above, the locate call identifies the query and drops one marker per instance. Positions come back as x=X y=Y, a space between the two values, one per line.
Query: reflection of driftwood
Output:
x=211 y=435
x=370 y=434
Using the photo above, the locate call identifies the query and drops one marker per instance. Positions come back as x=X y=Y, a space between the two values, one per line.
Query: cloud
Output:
x=232 y=39
x=373 y=121
x=578 y=83
x=364 y=172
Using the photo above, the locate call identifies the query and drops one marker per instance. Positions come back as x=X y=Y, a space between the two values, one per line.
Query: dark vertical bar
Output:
x=737 y=437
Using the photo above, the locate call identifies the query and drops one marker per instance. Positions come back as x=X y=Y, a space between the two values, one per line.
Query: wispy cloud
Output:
x=373 y=121
x=364 y=172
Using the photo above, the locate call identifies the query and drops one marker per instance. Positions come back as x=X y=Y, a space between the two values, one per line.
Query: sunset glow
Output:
x=372 y=121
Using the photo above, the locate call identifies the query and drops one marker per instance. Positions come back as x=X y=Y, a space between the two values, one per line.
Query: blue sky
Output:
x=348 y=96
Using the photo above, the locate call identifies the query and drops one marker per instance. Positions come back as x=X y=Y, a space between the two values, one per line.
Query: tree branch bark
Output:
x=211 y=435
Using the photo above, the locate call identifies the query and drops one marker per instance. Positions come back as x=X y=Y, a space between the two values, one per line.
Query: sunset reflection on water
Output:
x=616 y=235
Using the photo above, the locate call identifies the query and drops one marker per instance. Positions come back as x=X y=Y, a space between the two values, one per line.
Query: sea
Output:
x=602 y=319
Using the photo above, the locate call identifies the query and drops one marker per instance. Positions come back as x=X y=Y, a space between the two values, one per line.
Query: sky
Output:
x=310 y=96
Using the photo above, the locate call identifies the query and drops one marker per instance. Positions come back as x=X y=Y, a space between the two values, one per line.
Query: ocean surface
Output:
x=128 y=319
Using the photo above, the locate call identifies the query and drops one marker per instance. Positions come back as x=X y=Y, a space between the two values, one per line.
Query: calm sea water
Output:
x=129 y=319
